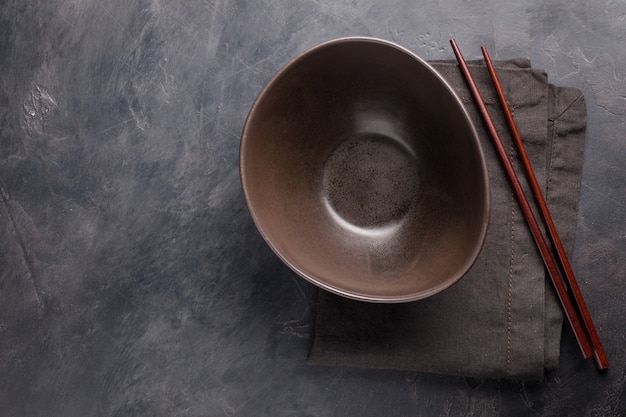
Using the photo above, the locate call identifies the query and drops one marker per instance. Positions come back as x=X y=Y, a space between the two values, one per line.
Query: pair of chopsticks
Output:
x=572 y=301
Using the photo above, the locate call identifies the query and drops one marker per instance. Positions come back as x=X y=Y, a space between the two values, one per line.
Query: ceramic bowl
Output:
x=363 y=172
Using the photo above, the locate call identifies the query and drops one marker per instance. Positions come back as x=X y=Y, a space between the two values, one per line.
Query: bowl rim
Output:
x=355 y=295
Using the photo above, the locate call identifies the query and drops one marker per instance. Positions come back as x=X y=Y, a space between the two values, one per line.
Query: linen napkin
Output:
x=502 y=320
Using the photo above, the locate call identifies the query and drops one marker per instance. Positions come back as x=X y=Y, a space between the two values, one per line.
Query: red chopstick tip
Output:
x=601 y=361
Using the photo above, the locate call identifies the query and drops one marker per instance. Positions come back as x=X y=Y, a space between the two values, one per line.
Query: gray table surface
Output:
x=132 y=279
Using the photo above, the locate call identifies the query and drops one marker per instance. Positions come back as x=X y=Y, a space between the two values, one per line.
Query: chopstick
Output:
x=553 y=272
x=599 y=353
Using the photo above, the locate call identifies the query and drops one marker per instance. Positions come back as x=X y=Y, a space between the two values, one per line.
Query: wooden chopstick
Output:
x=599 y=353
x=548 y=260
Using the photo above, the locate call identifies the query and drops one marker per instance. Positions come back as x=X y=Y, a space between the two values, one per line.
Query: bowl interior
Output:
x=364 y=173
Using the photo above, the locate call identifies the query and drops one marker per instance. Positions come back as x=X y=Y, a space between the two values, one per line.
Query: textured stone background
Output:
x=132 y=279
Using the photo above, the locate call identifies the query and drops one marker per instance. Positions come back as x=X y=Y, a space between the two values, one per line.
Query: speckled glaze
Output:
x=364 y=174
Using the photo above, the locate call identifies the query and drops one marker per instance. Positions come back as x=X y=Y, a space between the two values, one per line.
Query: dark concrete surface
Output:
x=132 y=279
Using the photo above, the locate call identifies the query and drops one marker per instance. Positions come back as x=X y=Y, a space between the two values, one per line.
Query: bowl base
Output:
x=371 y=182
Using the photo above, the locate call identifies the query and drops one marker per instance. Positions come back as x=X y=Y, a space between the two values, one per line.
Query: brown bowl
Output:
x=363 y=172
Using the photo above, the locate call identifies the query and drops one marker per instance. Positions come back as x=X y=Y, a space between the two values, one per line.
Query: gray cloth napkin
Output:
x=502 y=320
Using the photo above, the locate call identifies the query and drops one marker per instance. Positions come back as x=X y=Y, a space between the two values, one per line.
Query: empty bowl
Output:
x=363 y=172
